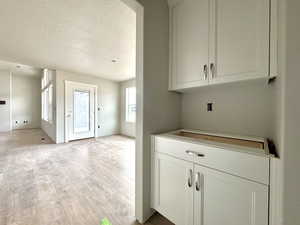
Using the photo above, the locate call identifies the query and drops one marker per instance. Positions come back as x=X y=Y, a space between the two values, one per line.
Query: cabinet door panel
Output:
x=173 y=198
x=240 y=40
x=229 y=200
x=189 y=38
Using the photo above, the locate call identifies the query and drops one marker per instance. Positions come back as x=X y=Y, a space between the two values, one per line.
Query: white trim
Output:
x=80 y=83
x=65 y=105
x=95 y=107
x=10 y=102
x=276 y=186
x=139 y=174
x=96 y=111
x=141 y=213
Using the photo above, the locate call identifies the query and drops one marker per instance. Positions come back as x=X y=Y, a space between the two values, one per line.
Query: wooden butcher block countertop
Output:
x=225 y=140
x=252 y=145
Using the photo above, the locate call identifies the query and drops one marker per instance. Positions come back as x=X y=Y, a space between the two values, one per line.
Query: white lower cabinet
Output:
x=220 y=198
x=189 y=194
x=173 y=195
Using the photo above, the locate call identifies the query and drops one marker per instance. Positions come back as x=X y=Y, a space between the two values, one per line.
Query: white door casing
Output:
x=80 y=111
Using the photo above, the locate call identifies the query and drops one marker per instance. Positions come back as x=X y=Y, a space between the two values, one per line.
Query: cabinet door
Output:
x=228 y=200
x=239 y=48
x=173 y=190
x=189 y=43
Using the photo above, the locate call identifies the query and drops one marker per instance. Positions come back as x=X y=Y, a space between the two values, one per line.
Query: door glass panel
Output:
x=81 y=111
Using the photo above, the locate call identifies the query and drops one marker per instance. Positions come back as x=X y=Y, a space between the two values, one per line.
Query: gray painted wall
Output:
x=5 y=95
x=291 y=206
x=126 y=128
x=240 y=108
x=108 y=100
x=26 y=102
x=161 y=108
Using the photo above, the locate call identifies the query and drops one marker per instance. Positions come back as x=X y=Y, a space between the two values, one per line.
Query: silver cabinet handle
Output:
x=205 y=72
x=212 y=70
x=190 y=179
x=190 y=152
x=195 y=153
x=197 y=181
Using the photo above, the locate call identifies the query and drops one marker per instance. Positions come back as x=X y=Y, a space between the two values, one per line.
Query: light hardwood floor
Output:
x=78 y=183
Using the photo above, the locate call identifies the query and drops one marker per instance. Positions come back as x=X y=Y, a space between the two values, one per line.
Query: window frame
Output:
x=47 y=96
x=128 y=118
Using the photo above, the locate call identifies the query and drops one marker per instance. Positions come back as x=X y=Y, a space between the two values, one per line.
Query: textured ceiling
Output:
x=73 y=35
x=19 y=69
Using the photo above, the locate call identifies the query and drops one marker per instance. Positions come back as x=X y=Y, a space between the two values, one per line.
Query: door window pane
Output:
x=81 y=111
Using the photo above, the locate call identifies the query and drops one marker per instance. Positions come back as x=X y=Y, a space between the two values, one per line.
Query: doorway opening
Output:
x=81 y=54
x=80 y=111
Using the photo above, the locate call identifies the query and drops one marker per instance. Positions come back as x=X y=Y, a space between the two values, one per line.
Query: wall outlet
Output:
x=209 y=107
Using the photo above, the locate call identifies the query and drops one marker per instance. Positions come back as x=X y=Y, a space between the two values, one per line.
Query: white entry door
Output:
x=79 y=111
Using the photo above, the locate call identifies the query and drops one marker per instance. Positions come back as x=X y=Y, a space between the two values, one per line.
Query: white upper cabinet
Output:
x=239 y=47
x=227 y=40
x=189 y=43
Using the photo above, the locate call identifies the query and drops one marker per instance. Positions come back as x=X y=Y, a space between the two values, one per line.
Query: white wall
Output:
x=126 y=128
x=161 y=108
x=240 y=108
x=26 y=102
x=50 y=128
x=5 y=95
x=108 y=100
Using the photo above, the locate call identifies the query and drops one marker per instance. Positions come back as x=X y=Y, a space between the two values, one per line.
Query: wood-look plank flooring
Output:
x=78 y=183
